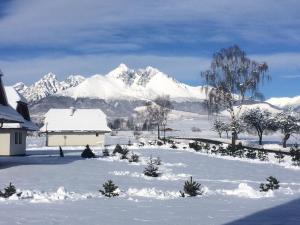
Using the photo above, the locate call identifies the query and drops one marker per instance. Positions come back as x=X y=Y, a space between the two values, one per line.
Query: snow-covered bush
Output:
x=251 y=154
x=157 y=161
x=191 y=188
x=109 y=189
x=295 y=154
x=151 y=169
x=141 y=144
x=173 y=146
x=279 y=156
x=195 y=145
x=122 y=151
x=262 y=155
x=8 y=191
x=134 y=158
x=159 y=143
x=272 y=184
x=105 y=152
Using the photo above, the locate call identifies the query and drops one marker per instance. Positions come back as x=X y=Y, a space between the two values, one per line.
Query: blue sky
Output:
x=178 y=37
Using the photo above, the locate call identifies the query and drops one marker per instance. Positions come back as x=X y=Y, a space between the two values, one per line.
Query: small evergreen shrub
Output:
x=295 y=154
x=109 y=189
x=191 y=188
x=251 y=154
x=206 y=146
x=134 y=158
x=279 y=156
x=157 y=161
x=118 y=149
x=141 y=144
x=195 y=145
x=105 y=152
x=170 y=141
x=88 y=153
x=262 y=155
x=124 y=153
x=151 y=170
x=173 y=146
x=159 y=143
x=214 y=150
x=222 y=150
x=272 y=184
x=8 y=191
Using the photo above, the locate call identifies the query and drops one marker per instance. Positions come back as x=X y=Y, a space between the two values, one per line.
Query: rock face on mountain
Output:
x=48 y=85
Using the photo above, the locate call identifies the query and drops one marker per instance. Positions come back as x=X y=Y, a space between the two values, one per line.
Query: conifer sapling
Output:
x=273 y=184
x=151 y=170
x=191 y=188
x=8 y=191
x=109 y=189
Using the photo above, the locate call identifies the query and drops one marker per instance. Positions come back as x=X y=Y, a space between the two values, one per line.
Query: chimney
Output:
x=72 y=111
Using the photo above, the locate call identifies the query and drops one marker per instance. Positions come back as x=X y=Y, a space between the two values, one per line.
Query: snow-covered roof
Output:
x=75 y=120
x=8 y=115
x=13 y=97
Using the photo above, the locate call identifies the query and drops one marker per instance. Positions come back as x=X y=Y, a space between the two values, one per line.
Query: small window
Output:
x=97 y=134
x=18 y=138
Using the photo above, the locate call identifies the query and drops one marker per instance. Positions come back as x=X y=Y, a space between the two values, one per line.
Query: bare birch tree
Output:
x=231 y=79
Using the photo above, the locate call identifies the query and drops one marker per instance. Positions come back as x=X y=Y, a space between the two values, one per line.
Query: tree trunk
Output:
x=233 y=140
x=260 y=139
x=286 y=137
x=164 y=134
x=158 y=132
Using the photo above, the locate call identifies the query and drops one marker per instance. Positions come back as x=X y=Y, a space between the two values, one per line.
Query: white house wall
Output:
x=75 y=139
x=8 y=145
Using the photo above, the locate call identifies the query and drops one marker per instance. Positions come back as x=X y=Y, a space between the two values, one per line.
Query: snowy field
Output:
x=65 y=190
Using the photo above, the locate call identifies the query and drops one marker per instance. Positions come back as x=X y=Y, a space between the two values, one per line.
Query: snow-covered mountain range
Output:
x=121 y=83
x=284 y=102
x=48 y=85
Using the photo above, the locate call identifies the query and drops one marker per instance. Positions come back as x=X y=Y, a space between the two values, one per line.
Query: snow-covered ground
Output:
x=65 y=190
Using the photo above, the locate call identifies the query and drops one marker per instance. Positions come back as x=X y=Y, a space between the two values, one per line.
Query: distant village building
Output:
x=75 y=127
x=15 y=122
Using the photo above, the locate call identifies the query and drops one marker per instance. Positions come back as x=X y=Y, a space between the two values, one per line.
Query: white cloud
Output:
x=69 y=22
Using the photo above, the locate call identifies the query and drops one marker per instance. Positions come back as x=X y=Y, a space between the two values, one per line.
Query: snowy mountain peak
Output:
x=72 y=81
x=121 y=69
x=47 y=85
x=124 y=74
x=49 y=76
